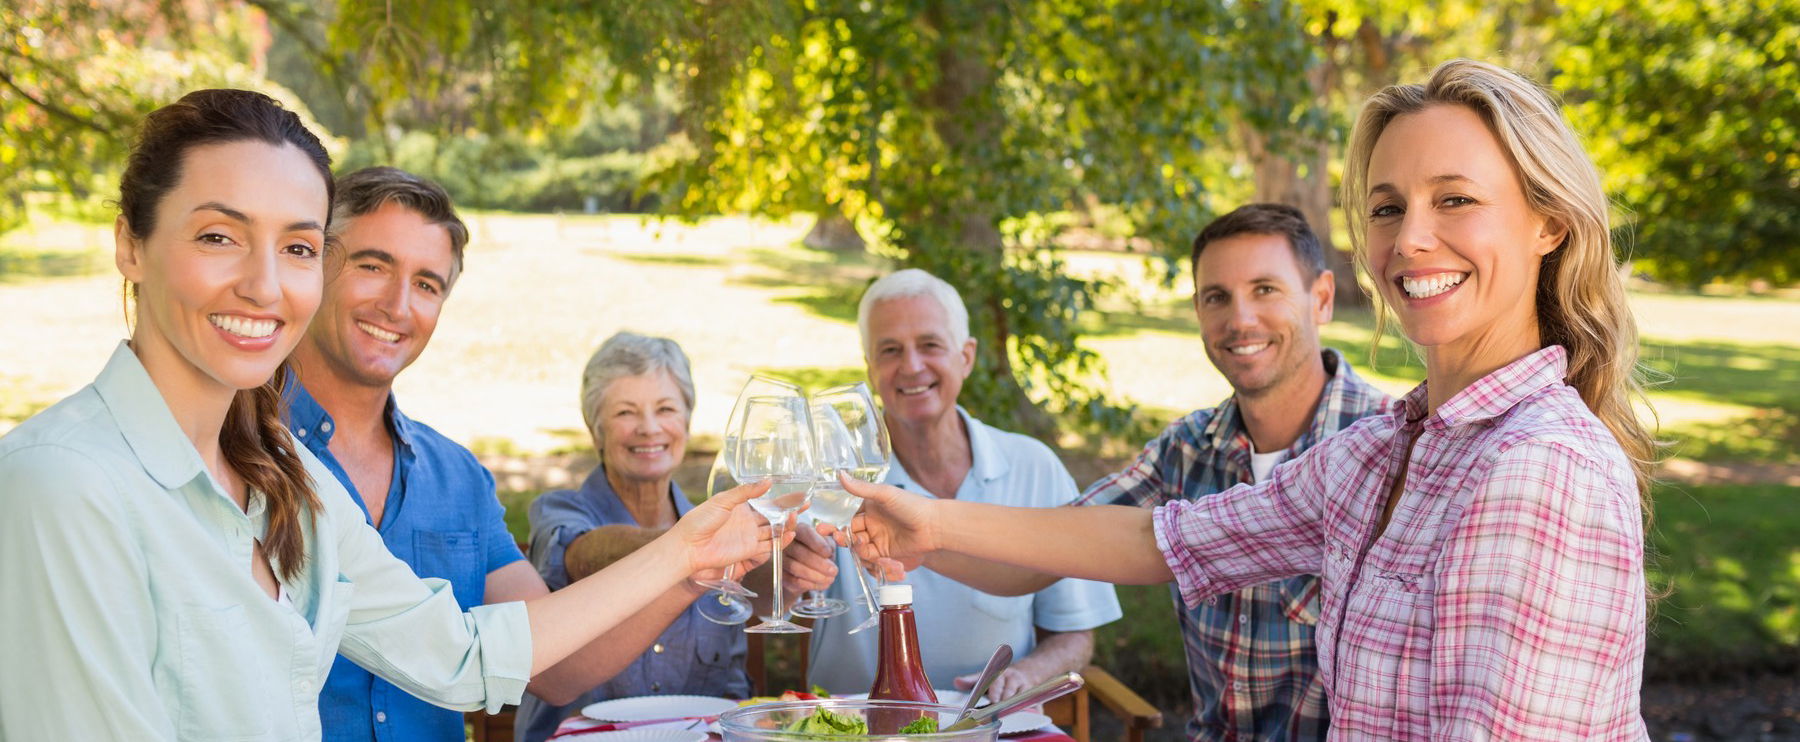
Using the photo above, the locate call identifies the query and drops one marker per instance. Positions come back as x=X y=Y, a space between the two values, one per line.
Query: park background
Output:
x=731 y=175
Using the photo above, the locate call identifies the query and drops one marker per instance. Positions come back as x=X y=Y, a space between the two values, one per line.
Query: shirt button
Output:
x=381 y=717
x=301 y=432
x=657 y=648
x=325 y=427
x=1243 y=619
x=656 y=686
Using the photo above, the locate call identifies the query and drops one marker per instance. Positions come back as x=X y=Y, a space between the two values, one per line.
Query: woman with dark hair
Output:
x=173 y=565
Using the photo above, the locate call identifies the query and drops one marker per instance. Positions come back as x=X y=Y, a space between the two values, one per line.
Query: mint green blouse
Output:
x=128 y=610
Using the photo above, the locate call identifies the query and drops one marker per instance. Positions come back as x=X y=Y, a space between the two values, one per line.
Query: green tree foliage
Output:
x=1693 y=111
x=76 y=77
x=947 y=128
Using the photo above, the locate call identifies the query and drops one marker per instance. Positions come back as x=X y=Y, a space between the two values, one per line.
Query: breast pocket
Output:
x=1300 y=600
x=227 y=687
x=1003 y=608
x=454 y=556
x=719 y=661
x=330 y=620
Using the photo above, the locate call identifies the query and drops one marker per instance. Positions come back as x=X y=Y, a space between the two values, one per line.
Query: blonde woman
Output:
x=1480 y=546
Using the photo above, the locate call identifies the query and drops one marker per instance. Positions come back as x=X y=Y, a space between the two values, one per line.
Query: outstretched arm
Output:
x=718 y=532
x=1108 y=543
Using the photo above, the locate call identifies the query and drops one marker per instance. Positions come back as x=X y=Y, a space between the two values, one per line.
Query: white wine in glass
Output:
x=776 y=444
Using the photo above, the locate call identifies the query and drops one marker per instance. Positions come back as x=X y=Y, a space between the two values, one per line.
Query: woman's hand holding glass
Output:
x=894 y=531
x=728 y=603
x=852 y=441
x=775 y=444
x=725 y=532
x=721 y=478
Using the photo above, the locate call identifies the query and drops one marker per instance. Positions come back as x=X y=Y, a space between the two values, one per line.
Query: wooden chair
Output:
x=1071 y=711
x=491 y=727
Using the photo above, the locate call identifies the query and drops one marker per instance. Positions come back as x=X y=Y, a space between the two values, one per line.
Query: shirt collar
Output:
x=596 y=489
x=984 y=460
x=1226 y=426
x=1492 y=395
x=307 y=418
x=144 y=419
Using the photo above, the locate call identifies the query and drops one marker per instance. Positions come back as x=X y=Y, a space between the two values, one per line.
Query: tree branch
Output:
x=53 y=109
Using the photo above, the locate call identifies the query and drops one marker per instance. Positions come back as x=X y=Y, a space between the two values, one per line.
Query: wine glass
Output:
x=757 y=385
x=860 y=448
x=835 y=451
x=721 y=605
x=776 y=444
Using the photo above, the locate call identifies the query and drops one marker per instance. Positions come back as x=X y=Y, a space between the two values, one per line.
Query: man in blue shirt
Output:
x=399 y=254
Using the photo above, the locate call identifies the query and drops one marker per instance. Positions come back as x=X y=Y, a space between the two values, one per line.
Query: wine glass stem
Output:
x=776 y=609
x=861 y=578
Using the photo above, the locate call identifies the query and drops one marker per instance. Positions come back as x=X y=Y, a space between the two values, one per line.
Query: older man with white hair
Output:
x=916 y=344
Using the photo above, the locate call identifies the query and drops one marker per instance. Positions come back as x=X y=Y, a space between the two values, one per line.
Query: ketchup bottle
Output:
x=899 y=670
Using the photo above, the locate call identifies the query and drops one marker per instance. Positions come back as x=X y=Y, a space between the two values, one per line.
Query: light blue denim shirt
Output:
x=129 y=610
x=693 y=656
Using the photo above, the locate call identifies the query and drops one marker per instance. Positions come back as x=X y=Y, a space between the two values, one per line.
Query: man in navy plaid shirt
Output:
x=1261 y=291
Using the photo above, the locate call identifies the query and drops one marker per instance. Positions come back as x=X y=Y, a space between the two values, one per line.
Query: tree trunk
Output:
x=834 y=231
x=1299 y=175
x=966 y=116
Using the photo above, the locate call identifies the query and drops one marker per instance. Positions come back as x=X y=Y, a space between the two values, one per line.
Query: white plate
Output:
x=1017 y=722
x=642 y=734
x=640 y=708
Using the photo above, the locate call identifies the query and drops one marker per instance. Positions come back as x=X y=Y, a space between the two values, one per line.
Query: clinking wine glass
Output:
x=835 y=451
x=866 y=448
x=757 y=385
x=722 y=606
x=776 y=444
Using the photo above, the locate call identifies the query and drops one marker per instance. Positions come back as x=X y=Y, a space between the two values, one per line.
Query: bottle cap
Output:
x=898 y=593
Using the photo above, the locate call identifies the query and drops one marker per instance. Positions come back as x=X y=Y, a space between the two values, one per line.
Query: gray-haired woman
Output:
x=637 y=397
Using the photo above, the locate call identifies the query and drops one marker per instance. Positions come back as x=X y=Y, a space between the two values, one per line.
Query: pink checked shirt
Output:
x=1505 y=599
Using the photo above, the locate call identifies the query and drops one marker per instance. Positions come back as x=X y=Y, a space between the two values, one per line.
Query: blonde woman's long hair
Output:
x=1580 y=294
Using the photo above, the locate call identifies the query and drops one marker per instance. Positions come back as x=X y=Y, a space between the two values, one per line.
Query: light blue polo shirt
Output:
x=959 y=626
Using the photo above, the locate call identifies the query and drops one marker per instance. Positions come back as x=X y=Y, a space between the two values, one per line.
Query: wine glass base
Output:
x=825 y=608
x=872 y=621
x=777 y=626
x=726 y=586
x=724 y=609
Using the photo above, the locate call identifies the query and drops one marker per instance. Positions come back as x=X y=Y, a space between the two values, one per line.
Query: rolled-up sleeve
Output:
x=411 y=632
x=1249 y=534
x=77 y=624
x=556 y=521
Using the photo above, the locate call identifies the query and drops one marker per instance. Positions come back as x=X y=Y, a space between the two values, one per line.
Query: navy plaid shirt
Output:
x=1251 y=665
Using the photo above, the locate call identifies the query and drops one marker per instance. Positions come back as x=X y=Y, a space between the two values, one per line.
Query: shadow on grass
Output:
x=690 y=261
x=827 y=283
x=814 y=378
x=18 y=265
x=1765 y=376
x=1728 y=556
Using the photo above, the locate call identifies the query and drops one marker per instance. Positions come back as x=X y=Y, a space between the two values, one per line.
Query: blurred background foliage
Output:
x=973 y=139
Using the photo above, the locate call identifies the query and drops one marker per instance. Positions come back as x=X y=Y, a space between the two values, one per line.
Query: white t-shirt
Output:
x=959 y=626
x=1263 y=463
